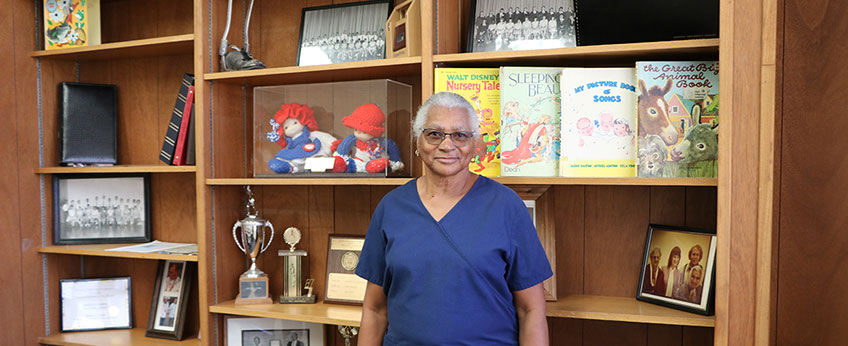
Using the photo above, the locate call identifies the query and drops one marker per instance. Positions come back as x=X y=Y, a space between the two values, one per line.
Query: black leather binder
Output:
x=88 y=123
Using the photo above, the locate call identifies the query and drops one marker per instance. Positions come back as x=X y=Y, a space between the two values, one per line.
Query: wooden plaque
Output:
x=342 y=284
x=253 y=291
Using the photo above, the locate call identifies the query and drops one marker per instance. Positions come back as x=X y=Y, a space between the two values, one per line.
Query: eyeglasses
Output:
x=436 y=137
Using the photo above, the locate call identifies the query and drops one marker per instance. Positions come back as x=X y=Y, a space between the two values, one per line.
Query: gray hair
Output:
x=447 y=100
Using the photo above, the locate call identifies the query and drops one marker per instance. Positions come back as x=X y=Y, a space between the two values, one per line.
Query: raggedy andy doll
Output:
x=366 y=150
x=295 y=130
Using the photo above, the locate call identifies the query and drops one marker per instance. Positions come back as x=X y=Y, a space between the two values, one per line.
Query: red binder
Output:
x=179 y=152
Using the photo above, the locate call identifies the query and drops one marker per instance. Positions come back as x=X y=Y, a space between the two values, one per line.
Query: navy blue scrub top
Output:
x=450 y=282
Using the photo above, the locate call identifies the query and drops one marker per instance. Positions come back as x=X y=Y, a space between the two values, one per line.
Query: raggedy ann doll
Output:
x=295 y=130
x=365 y=150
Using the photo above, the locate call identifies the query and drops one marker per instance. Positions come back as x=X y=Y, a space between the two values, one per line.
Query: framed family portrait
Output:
x=343 y=33
x=239 y=331
x=95 y=304
x=504 y=25
x=678 y=268
x=170 y=300
x=102 y=208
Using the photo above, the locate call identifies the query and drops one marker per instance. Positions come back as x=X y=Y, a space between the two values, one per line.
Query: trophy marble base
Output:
x=297 y=300
x=253 y=291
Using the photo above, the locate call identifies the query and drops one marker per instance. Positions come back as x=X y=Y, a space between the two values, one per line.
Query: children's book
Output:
x=481 y=88
x=71 y=23
x=530 y=114
x=598 y=122
x=678 y=118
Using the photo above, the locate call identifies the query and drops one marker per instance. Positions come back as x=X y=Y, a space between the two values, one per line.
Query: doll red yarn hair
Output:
x=294 y=110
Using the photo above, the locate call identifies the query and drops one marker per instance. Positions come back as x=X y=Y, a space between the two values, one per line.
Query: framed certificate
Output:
x=95 y=304
x=343 y=285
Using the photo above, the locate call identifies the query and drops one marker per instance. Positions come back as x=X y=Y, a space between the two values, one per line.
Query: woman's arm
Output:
x=532 y=323
x=373 y=325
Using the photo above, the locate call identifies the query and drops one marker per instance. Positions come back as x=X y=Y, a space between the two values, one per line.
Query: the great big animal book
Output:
x=481 y=87
x=530 y=114
x=678 y=118
x=598 y=122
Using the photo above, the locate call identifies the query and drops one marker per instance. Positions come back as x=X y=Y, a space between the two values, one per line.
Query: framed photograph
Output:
x=539 y=204
x=101 y=208
x=678 y=268
x=169 y=303
x=95 y=304
x=343 y=285
x=239 y=331
x=502 y=25
x=343 y=33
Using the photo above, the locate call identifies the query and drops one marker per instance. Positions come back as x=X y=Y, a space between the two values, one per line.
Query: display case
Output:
x=341 y=129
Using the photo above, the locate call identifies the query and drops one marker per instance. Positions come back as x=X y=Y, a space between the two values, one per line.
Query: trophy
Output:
x=292 y=292
x=253 y=284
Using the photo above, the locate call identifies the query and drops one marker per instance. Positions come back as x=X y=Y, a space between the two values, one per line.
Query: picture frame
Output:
x=493 y=25
x=539 y=204
x=343 y=33
x=169 y=303
x=243 y=331
x=342 y=285
x=690 y=286
x=101 y=208
x=95 y=304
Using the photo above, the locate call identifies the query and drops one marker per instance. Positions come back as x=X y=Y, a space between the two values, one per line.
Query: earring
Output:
x=416 y=152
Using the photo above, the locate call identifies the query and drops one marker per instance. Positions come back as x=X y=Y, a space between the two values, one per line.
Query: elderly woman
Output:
x=452 y=258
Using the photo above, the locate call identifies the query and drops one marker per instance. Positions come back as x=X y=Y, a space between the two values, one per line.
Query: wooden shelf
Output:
x=159 y=46
x=502 y=180
x=308 y=181
x=623 y=309
x=133 y=337
x=609 y=181
x=118 y=169
x=359 y=70
x=345 y=315
x=100 y=250
x=630 y=51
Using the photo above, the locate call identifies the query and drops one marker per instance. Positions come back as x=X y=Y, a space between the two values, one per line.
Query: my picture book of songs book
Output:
x=678 y=118
x=481 y=88
x=530 y=113
x=598 y=122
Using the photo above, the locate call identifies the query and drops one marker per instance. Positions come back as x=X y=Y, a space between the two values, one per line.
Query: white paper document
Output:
x=154 y=246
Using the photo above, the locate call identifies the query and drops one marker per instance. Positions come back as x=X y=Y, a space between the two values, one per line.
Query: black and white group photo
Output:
x=275 y=337
x=343 y=33
x=503 y=25
x=101 y=208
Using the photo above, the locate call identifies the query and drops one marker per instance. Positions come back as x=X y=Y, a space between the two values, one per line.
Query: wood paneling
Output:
x=124 y=20
x=600 y=333
x=812 y=220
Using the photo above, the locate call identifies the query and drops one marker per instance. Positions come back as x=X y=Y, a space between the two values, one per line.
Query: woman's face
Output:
x=695 y=257
x=675 y=260
x=447 y=158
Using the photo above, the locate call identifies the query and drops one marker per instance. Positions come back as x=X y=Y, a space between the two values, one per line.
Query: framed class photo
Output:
x=170 y=300
x=678 y=268
x=503 y=25
x=343 y=33
x=240 y=331
x=102 y=208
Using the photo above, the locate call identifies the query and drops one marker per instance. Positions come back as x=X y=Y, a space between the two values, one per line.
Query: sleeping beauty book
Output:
x=481 y=88
x=530 y=114
x=598 y=122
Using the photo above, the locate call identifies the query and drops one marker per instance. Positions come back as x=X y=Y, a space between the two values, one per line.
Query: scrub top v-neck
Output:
x=450 y=282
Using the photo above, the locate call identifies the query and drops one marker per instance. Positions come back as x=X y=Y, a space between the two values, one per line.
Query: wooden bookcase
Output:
x=600 y=223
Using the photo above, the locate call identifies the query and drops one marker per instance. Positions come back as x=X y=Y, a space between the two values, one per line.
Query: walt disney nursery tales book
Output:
x=598 y=122
x=479 y=86
x=678 y=118
x=530 y=113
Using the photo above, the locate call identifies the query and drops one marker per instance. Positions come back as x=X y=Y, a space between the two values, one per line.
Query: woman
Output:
x=452 y=257
x=673 y=277
x=695 y=254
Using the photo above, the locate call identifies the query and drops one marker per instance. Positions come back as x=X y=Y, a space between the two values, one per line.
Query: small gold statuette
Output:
x=293 y=271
